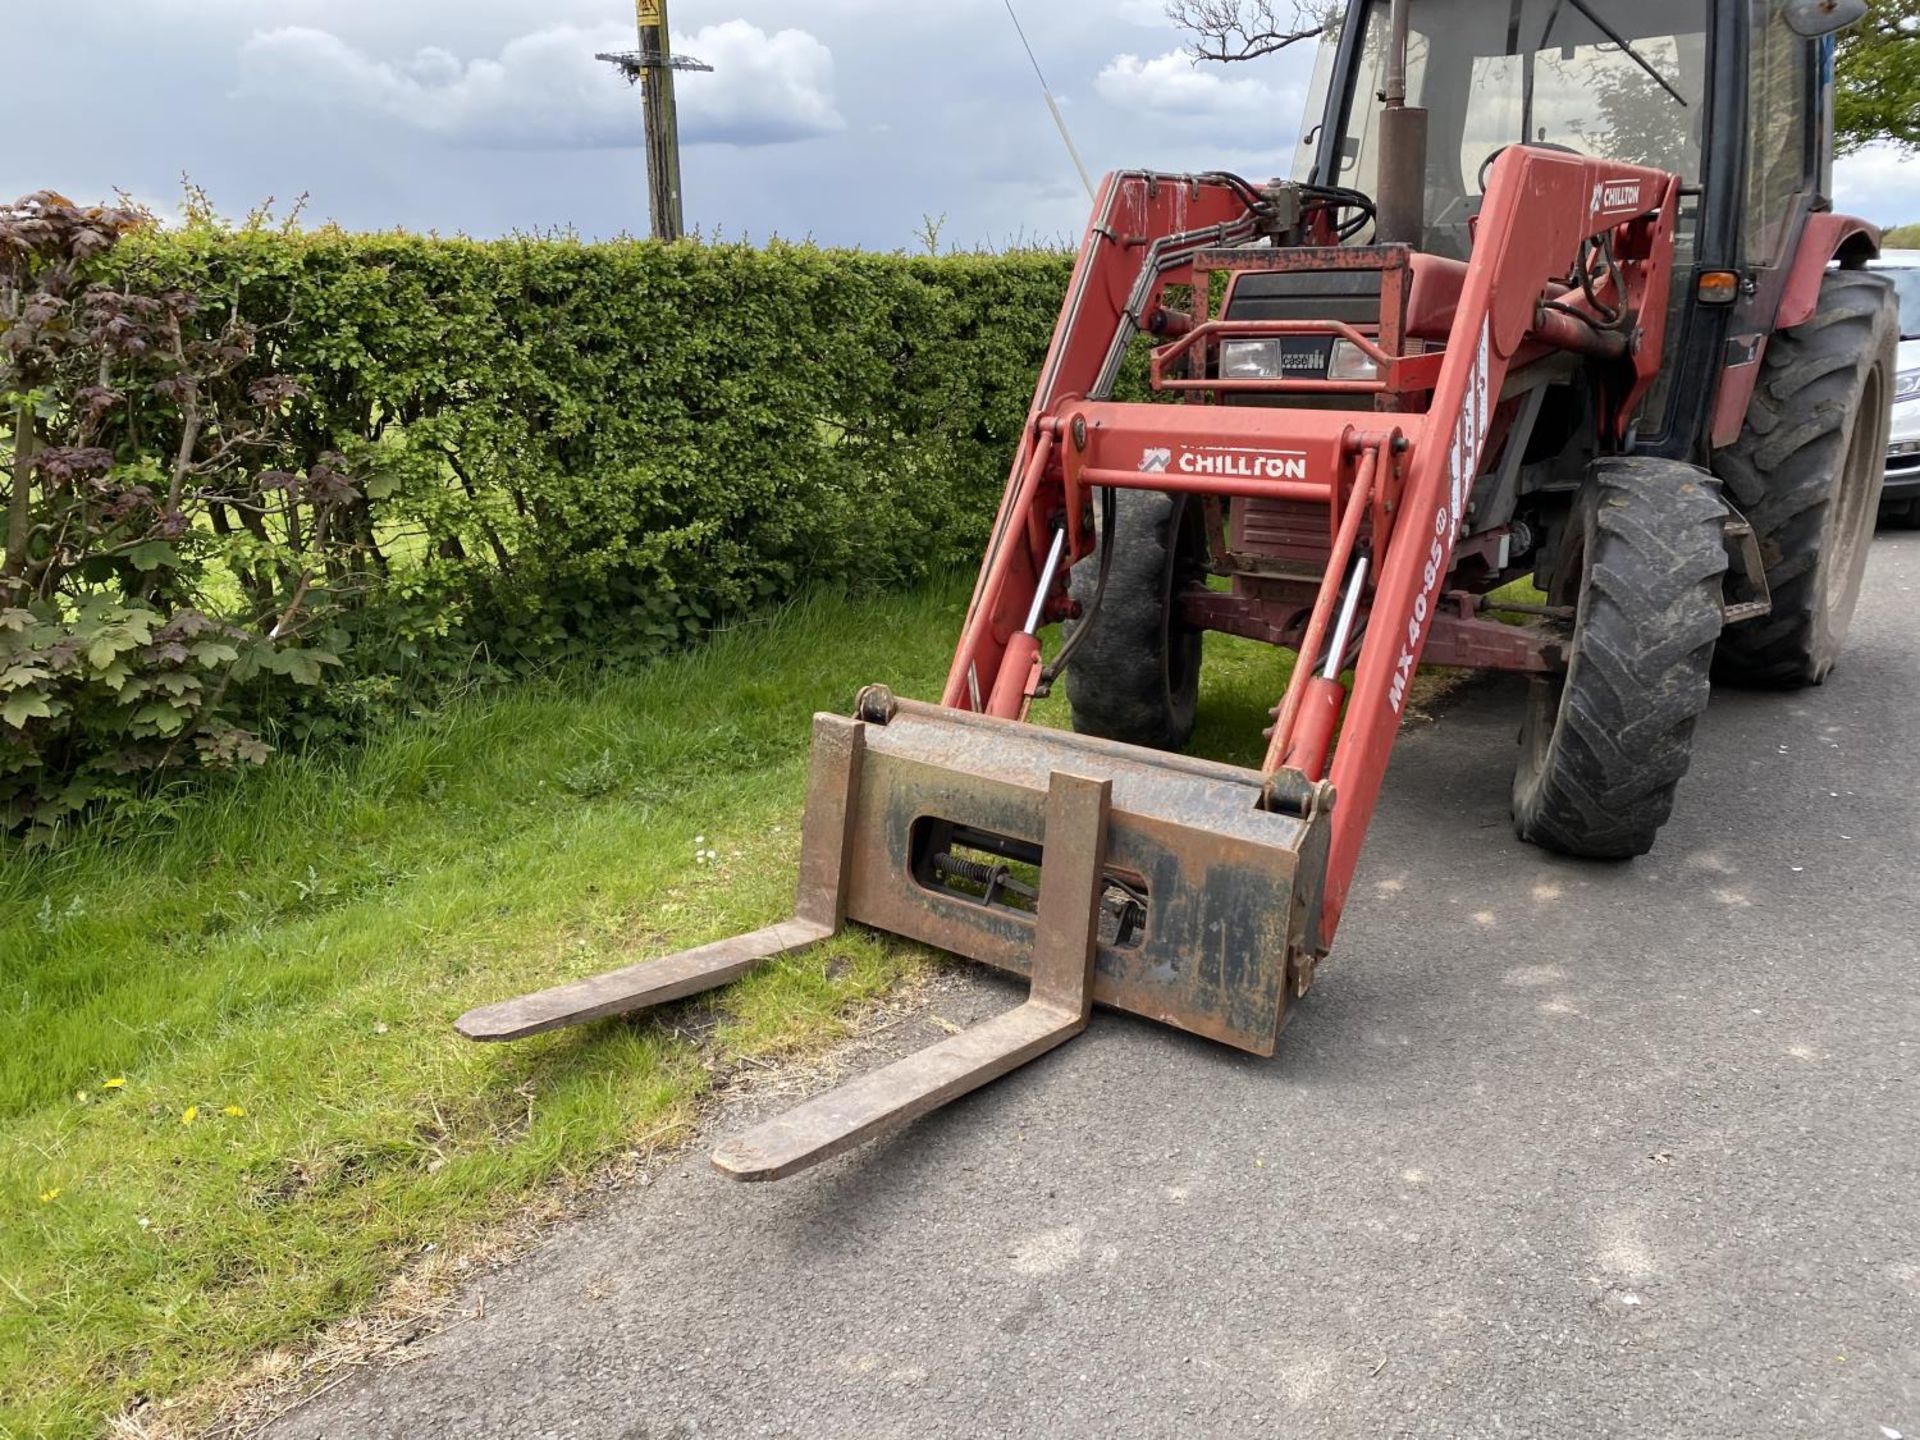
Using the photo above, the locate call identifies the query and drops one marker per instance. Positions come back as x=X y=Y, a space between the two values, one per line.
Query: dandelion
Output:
x=47 y=1197
x=119 y=1082
x=236 y=1111
x=190 y=1114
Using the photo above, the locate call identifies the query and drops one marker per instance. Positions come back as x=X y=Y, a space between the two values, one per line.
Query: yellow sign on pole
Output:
x=648 y=13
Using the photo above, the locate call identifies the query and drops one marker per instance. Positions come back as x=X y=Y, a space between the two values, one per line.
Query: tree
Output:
x=1227 y=30
x=1877 y=85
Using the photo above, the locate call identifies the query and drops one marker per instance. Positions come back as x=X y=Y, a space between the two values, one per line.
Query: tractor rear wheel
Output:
x=1136 y=675
x=1605 y=743
x=1807 y=472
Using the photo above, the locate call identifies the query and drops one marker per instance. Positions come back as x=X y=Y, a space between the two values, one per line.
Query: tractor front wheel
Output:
x=1135 y=676
x=1807 y=472
x=1605 y=743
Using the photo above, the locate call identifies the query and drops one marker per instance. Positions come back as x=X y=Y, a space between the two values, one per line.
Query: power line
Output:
x=1052 y=105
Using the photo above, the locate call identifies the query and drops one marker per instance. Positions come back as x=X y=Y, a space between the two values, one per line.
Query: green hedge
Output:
x=604 y=448
x=265 y=484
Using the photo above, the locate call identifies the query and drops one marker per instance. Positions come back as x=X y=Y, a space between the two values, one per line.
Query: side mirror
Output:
x=1814 y=18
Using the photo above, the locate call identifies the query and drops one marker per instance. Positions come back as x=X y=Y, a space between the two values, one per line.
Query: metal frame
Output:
x=1240 y=876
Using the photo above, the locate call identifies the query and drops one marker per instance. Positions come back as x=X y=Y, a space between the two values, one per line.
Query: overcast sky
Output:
x=847 y=121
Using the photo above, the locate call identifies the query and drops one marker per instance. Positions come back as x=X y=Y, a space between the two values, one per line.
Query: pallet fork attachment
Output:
x=1196 y=894
x=1166 y=887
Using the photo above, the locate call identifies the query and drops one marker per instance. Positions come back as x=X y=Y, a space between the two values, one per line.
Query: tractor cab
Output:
x=1627 y=82
x=1732 y=96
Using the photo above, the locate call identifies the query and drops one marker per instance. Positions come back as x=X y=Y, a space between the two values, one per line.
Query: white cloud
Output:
x=764 y=89
x=1173 y=85
x=546 y=91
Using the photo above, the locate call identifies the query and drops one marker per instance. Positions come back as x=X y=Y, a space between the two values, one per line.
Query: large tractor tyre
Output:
x=1807 y=472
x=1605 y=743
x=1136 y=675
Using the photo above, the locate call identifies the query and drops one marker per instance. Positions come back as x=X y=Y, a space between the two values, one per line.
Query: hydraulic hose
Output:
x=1109 y=512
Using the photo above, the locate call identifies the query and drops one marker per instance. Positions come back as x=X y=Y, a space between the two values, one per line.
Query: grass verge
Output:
x=232 y=1107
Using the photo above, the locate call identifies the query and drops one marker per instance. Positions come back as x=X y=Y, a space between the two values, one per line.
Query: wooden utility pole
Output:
x=663 y=123
x=652 y=67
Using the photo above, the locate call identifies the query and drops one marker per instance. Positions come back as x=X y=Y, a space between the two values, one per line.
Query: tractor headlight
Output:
x=1252 y=359
x=1906 y=386
x=1349 y=362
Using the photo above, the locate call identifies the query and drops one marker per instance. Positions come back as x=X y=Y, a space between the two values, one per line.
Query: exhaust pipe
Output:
x=1402 y=182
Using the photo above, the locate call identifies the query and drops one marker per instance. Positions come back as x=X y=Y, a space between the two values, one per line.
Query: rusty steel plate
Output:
x=1231 y=887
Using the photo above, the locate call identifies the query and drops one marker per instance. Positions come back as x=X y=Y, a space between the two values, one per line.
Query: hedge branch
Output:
x=20 y=502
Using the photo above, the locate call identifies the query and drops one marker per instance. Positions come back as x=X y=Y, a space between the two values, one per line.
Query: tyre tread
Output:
x=1117 y=685
x=1784 y=469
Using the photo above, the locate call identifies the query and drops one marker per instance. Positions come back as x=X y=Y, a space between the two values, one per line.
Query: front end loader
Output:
x=1560 y=307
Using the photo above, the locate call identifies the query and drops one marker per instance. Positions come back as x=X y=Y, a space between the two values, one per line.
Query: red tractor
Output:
x=1555 y=295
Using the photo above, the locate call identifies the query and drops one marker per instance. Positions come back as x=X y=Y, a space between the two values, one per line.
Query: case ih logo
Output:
x=1228 y=462
x=1616 y=195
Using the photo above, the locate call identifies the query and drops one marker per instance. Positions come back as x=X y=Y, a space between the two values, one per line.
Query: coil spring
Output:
x=960 y=868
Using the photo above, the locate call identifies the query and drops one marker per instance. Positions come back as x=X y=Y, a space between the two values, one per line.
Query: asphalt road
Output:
x=1554 y=1149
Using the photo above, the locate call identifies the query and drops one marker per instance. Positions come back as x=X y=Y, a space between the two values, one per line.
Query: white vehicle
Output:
x=1900 y=502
